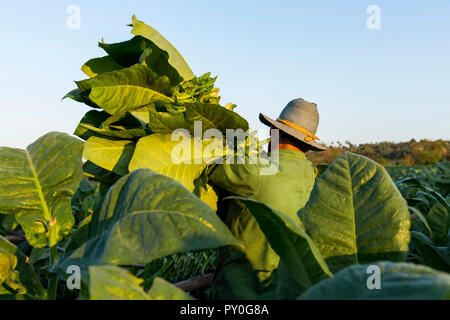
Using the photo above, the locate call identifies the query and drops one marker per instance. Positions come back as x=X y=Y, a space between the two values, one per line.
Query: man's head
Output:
x=297 y=125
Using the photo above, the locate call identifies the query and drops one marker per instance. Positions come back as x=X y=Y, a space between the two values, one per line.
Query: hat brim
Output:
x=292 y=132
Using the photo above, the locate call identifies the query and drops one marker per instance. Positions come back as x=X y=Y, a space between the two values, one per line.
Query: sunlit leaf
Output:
x=355 y=214
x=36 y=185
x=405 y=281
x=146 y=216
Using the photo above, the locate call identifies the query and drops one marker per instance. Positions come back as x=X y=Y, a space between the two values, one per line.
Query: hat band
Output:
x=309 y=136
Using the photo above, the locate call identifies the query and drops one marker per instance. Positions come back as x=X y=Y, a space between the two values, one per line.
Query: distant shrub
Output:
x=423 y=152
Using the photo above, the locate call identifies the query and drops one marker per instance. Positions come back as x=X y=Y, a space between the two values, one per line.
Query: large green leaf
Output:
x=37 y=184
x=143 y=51
x=113 y=283
x=433 y=256
x=213 y=116
x=158 y=60
x=126 y=53
x=296 y=249
x=439 y=219
x=146 y=216
x=101 y=65
x=175 y=58
x=403 y=281
x=176 y=159
x=355 y=214
x=112 y=155
x=123 y=90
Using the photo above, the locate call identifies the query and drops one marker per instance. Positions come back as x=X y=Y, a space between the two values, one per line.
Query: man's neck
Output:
x=288 y=146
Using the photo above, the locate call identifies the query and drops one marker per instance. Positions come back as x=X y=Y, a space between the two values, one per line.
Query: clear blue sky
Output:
x=391 y=84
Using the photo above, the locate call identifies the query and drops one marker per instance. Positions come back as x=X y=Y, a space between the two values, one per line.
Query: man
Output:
x=248 y=273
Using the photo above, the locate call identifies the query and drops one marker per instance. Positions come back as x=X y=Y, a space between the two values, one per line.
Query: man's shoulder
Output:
x=288 y=164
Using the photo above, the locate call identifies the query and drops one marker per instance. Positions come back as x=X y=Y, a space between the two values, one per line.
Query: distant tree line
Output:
x=423 y=152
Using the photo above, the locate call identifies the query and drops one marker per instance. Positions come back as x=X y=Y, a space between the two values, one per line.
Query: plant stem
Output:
x=53 y=281
x=196 y=282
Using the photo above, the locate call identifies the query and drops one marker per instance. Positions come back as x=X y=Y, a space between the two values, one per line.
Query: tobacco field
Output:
x=108 y=204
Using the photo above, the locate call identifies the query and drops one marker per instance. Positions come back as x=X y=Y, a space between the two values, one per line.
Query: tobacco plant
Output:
x=100 y=210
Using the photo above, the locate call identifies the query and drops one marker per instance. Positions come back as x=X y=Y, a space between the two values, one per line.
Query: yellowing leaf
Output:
x=112 y=155
x=182 y=160
x=37 y=184
x=175 y=58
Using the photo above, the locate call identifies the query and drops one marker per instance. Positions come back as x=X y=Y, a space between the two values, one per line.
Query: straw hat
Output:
x=300 y=120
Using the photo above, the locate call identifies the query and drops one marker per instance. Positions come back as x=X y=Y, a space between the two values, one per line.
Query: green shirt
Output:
x=249 y=273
